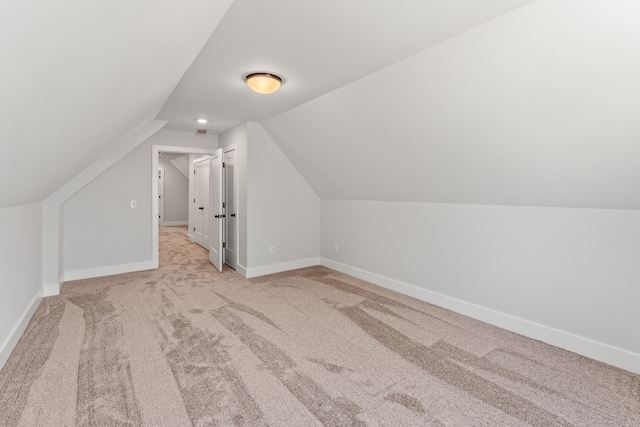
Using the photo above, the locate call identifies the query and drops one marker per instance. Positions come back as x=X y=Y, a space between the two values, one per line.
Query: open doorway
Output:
x=217 y=218
x=173 y=189
x=169 y=153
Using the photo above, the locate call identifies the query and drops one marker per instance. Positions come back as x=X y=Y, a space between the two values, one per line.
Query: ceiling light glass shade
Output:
x=263 y=82
x=202 y=121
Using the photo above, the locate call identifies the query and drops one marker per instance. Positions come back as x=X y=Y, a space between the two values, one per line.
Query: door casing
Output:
x=230 y=187
x=155 y=151
x=216 y=216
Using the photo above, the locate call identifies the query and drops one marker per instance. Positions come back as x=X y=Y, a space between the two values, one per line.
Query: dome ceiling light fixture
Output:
x=264 y=83
x=202 y=121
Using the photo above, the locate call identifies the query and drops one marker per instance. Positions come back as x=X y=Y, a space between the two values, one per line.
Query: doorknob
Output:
x=201 y=208
x=232 y=215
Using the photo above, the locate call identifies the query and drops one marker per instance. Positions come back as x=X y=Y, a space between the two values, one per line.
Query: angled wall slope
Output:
x=494 y=174
x=68 y=99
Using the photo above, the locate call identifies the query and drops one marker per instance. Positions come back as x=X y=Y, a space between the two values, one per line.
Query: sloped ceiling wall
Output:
x=539 y=107
x=182 y=164
x=316 y=46
x=75 y=75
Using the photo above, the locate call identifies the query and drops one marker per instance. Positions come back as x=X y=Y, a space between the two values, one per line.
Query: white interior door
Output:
x=160 y=196
x=206 y=212
x=200 y=196
x=230 y=193
x=217 y=213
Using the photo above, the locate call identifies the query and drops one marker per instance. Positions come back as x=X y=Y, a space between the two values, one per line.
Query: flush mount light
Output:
x=202 y=121
x=263 y=82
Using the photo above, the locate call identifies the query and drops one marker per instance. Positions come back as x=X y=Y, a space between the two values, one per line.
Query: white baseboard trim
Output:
x=241 y=270
x=10 y=342
x=283 y=266
x=109 y=270
x=593 y=349
x=50 y=289
x=174 y=223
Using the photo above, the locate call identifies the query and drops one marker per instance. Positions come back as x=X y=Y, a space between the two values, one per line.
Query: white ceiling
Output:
x=316 y=47
x=540 y=107
x=512 y=102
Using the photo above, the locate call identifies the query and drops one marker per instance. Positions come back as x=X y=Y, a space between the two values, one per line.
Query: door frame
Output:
x=216 y=196
x=161 y=196
x=155 y=151
x=236 y=231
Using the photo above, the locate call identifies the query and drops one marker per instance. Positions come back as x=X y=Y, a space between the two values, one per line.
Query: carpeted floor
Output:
x=185 y=345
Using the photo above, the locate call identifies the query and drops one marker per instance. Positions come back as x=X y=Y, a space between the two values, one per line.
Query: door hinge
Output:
x=194 y=229
x=223 y=164
x=224 y=245
x=194 y=200
x=194 y=171
x=223 y=204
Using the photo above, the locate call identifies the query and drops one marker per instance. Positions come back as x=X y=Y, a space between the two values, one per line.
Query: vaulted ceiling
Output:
x=316 y=47
x=540 y=107
x=75 y=75
x=513 y=102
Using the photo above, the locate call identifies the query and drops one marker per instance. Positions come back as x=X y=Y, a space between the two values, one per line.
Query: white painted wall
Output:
x=575 y=271
x=176 y=194
x=182 y=164
x=276 y=206
x=282 y=209
x=20 y=271
x=102 y=234
x=53 y=206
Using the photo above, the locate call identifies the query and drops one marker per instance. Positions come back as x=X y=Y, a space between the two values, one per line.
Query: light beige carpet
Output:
x=185 y=345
